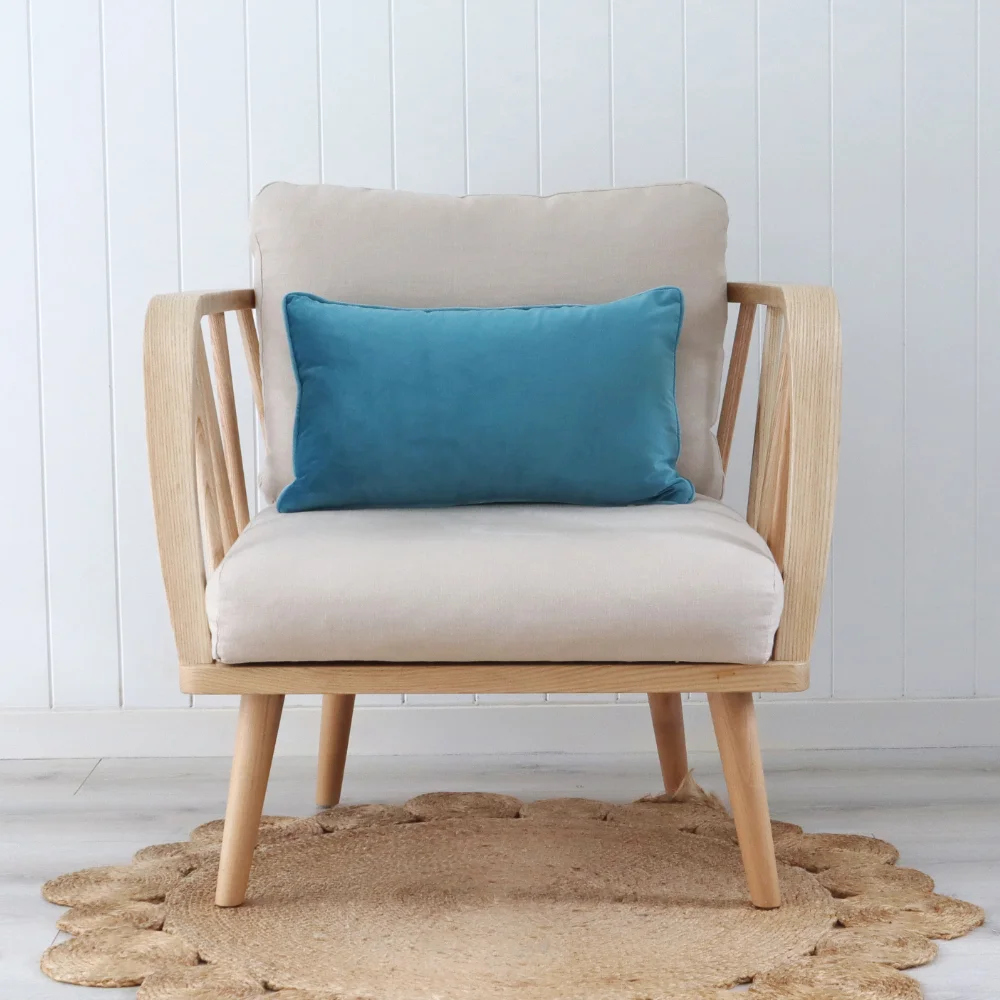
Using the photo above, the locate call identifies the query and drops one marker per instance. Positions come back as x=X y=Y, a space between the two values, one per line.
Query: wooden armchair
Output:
x=201 y=508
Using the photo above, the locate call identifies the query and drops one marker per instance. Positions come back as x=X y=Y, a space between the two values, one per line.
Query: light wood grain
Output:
x=736 y=730
x=229 y=428
x=796 y=443
x=499 y=678
x=210 y=439
x=668 y=729
x=334 y=735
x=734 y=379
x=172 y=330
x=251 y=350
x=256 y=733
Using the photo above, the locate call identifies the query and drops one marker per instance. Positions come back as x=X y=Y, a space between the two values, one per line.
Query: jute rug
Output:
x=484 y=896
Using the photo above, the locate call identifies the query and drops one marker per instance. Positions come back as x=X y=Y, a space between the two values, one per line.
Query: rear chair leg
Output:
x=668 y=728
x=334 y=733
x=256 y=732
x=736 y=731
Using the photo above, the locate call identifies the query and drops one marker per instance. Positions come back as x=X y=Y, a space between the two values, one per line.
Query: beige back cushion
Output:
x=422 y=250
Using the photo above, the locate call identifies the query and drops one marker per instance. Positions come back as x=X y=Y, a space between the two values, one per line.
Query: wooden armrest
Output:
x=793 y=479
x=190 y=470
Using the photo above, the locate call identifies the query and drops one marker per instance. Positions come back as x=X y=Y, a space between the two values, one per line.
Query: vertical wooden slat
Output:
x=213 y=441
x=229 y=427
x=734 y=379
x=213 y=548
x=251 y=349
x=766 y=403
x=771 y=511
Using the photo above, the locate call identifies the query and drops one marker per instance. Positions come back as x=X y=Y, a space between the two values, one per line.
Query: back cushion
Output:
x=421 y=250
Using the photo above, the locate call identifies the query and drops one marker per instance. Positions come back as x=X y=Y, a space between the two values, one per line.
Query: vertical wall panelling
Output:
x=23 y=620
x=647 y=65
x=794 y=73
x=988 y=413
x=867 y=156
x=987 y=395
x=283 y=99
x=855 y=143
x=429 y=95
x=502 y=96
x=212 y=143
x=721 y=92
x=142 y=261
x=356 y=81
x=73 y=323
x=940 y=432
x=210 y=44
x=574 y=94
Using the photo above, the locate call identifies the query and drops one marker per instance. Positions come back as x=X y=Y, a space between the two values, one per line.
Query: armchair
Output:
x=201 y=510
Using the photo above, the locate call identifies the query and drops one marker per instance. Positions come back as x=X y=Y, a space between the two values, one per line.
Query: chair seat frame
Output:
x=200 y=505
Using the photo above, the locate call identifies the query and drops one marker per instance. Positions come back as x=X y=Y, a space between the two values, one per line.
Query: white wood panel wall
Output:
x=855 y=142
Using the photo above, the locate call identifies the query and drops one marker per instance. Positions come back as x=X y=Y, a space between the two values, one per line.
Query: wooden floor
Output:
x=941 y=808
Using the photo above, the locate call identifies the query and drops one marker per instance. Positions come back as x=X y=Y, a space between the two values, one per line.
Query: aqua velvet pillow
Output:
x=442 y=407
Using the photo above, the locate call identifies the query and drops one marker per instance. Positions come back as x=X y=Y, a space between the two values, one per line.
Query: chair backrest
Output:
x=423 y=250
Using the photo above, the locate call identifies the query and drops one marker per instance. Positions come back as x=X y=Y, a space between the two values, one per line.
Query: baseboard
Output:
x=554 y=728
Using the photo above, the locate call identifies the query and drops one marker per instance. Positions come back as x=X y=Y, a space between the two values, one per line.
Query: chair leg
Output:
x=736 y=731
x=334 y=733
x=668 y=728
x=256 y=732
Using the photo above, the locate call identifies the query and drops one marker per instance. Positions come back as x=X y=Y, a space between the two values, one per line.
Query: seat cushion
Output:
x=507 y=582
x=394 y=248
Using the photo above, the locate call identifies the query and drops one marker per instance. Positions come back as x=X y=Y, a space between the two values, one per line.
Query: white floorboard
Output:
x=941 y=808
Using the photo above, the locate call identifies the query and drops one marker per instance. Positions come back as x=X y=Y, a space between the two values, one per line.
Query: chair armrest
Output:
x=793 y=479
x=192 y=495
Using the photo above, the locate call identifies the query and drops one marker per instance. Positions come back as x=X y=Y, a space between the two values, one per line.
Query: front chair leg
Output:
x=334 y=734
x=736 y=731
x=256 y=732
x=668 y=728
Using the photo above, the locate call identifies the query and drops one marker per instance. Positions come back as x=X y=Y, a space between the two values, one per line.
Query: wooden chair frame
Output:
x=200 y=505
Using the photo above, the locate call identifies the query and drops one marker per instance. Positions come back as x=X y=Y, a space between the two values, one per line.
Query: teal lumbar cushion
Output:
x=442 y=407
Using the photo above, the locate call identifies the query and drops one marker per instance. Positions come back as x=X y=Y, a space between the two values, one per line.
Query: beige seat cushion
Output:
x=500 y=582
x=401 y=249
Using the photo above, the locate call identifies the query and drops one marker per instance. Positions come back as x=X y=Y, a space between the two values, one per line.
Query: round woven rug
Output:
x=483 y=896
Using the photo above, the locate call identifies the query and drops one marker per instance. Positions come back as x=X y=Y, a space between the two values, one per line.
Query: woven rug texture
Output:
x=455 y=896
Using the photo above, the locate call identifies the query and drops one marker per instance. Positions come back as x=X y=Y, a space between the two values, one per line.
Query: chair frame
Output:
x=200 y=505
